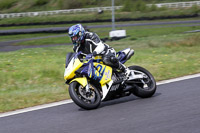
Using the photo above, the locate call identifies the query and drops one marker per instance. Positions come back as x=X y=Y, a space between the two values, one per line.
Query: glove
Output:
x=94 y=53
x=88 y=56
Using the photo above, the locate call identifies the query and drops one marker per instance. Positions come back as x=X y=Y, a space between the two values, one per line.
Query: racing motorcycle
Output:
x=91 y=82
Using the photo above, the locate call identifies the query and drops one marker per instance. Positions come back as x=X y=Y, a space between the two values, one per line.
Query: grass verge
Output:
x=134 y=33
x=94 y=16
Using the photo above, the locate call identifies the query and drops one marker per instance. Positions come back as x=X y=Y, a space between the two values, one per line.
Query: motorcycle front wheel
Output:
x=86 y=100
x=146 y=86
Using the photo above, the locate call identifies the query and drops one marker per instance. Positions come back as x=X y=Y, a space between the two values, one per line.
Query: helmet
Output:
x=76 y=32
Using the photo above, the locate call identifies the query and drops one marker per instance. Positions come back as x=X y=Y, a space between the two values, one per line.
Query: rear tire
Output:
x=79 y=96
x=139 y=88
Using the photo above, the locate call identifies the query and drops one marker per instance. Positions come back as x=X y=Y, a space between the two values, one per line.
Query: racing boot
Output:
x=124 y=69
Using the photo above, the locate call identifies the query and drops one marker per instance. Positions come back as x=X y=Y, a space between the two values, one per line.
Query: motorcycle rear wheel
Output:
x=144 y=90
x=83 y=99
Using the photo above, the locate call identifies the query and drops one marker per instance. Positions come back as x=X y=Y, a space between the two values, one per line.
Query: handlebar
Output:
x=88 y=57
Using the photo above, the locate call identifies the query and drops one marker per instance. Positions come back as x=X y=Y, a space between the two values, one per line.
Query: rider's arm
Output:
x=95 y=40
x=76 y=48
x=99 y=47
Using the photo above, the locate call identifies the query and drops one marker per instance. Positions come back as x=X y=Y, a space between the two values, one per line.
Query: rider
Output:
x=90 y=43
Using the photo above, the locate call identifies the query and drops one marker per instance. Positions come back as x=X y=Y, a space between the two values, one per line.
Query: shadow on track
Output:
x=121 y=100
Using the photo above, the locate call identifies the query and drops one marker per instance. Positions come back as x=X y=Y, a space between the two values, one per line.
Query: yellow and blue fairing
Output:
x=97 y=72
x=72 y=67
x=93 y=69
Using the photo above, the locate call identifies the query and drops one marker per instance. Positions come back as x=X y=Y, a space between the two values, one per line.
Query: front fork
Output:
x=87 y=89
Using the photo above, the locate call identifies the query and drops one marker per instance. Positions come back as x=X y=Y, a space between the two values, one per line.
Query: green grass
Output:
x=134 y=33
x=23 y=36
x=97 y=23
x=41 y=5
x=166 y=56
x=31 y=77
x=91 y=16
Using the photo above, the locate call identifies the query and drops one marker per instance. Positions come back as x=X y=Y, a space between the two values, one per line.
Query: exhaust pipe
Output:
x=128 y=88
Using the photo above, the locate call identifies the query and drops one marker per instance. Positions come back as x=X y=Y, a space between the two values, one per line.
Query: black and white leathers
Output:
x=92 y=44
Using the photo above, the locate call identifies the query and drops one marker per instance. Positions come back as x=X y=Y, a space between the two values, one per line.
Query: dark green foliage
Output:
x=128 y=5
x=41 y=2
x=70 y=4
x=139 y=6
x=134 y=5
x=153 y=7
x=195 y=9
x=6 y=4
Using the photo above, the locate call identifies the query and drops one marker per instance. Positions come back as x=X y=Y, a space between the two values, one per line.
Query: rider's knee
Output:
x=111 y=61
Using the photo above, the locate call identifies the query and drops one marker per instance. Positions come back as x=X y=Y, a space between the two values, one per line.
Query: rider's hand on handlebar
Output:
x=88 y=56
x=94 y=53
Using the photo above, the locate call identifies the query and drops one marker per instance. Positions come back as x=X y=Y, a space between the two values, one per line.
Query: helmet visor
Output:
x=75 y=39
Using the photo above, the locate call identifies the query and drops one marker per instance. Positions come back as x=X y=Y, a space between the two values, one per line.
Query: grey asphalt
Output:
x=175 y=108
x=33 y=30
x=4 y=43
x=191 y=22
x=7 y=46
x=37 y=30
x=11 y=47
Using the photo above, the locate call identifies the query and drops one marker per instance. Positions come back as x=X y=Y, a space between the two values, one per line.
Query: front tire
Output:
x=84 y=100
x=145 y=87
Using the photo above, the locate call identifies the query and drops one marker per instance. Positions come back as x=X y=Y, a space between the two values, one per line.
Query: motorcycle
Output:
x=92 y=82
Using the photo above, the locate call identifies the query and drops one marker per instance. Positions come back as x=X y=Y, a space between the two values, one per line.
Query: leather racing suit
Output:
x=92 y=44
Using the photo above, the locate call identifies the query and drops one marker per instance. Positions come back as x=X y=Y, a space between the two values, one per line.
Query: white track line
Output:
x=70 y=101
x=35 y=108
x=178 y=79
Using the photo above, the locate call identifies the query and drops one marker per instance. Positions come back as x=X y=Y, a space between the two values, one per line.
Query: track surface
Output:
x=175 y=108
x=6 y=46
x=33 y=30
